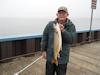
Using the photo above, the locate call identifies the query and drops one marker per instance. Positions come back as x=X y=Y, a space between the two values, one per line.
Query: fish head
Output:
x=56 y=27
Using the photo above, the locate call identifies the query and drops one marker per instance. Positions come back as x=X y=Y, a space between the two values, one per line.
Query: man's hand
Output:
x=61 y=27
x=44 y=55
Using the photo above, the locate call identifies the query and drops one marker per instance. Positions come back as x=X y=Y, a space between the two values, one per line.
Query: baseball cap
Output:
x=63 y=8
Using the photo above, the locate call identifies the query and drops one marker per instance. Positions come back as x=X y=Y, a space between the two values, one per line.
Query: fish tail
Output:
x=54 y=61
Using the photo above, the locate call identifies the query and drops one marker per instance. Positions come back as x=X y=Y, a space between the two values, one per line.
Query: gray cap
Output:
x=63 y=8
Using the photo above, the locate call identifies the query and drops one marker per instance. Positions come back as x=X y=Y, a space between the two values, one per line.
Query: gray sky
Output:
x=46 y=8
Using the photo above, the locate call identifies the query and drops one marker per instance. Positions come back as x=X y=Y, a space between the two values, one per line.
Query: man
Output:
x=68 y=33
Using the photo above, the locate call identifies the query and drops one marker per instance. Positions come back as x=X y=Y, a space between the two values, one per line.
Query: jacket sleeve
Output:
x=69 y=35
x=44 y=40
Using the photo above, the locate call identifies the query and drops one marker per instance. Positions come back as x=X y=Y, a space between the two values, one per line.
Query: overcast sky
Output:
x=46 y=8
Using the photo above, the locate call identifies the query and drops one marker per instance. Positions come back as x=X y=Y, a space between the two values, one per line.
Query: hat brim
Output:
x=62 y=10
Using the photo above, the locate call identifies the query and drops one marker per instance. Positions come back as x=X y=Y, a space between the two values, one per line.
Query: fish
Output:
x=57 y=43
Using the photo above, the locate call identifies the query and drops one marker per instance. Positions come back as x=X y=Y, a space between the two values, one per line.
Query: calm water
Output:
x=20 y=26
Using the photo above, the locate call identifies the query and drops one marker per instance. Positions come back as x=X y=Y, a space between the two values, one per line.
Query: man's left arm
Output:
x=69 y=35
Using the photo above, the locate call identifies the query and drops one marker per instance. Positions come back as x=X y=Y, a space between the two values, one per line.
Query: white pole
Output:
x=17 y=73
x=90 y=31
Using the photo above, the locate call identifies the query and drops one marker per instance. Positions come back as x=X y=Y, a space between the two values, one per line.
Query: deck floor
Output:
x=84 y=60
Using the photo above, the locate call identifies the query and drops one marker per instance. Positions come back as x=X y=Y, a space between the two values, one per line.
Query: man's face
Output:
x=62 y=15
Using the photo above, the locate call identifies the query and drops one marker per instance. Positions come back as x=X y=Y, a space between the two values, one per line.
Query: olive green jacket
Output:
x=68 y=36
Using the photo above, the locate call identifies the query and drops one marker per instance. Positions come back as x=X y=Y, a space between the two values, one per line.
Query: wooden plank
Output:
x=77 y=70
x=30 y=45
x=74 y=69
x=85 y=58
x=88 y=54
x=88 y=48
x=6 y=50
x=85 y=65
x=37 y=44
x=96 y=35
x=17 y=46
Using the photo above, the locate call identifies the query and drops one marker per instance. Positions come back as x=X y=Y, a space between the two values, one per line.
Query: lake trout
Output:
x=57 y=43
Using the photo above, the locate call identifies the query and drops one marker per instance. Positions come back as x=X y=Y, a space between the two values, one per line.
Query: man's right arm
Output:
x=44 y=41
